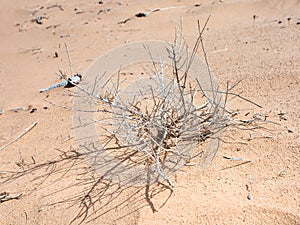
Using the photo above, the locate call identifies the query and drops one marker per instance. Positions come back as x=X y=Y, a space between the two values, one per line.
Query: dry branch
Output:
x=4 y=196
x=21 y=135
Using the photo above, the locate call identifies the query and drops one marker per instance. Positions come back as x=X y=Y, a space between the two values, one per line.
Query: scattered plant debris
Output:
x=4 y=196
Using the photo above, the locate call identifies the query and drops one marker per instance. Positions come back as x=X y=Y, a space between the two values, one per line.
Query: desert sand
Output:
x=256 y=42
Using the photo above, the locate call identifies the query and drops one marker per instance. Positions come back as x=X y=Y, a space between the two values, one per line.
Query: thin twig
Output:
x=230 y=167
x=4 y=196
x=69 y=58
x=57 y=105
x=21 y=135
x=232 y=159
x=26 y=218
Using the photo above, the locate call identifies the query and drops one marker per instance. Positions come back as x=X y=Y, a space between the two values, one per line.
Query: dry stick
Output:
x=161 y=173
x=56 y=5
x=232 y=159
x=230 y=167
x=4 y=196
x=176 y=75
x=205 y=55
x=236 y=95
x=70 y=63
x=226 y=94
x=214 y=92
x=167 y=8
x=234 y=85
x=26 y=218
x=21 y=135
x=60 y=106
x=195 y=49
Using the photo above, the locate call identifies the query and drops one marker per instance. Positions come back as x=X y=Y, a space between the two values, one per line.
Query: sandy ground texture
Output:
x=253 y=41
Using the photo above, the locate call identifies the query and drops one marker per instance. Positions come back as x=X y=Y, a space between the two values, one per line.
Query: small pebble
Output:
x=249 y=197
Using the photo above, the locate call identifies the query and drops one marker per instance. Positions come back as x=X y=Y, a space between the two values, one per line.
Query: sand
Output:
x=253 y=41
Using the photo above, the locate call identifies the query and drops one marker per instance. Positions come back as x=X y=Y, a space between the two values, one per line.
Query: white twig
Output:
x=218 y=51
x=21 y=135
x=232 y=159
